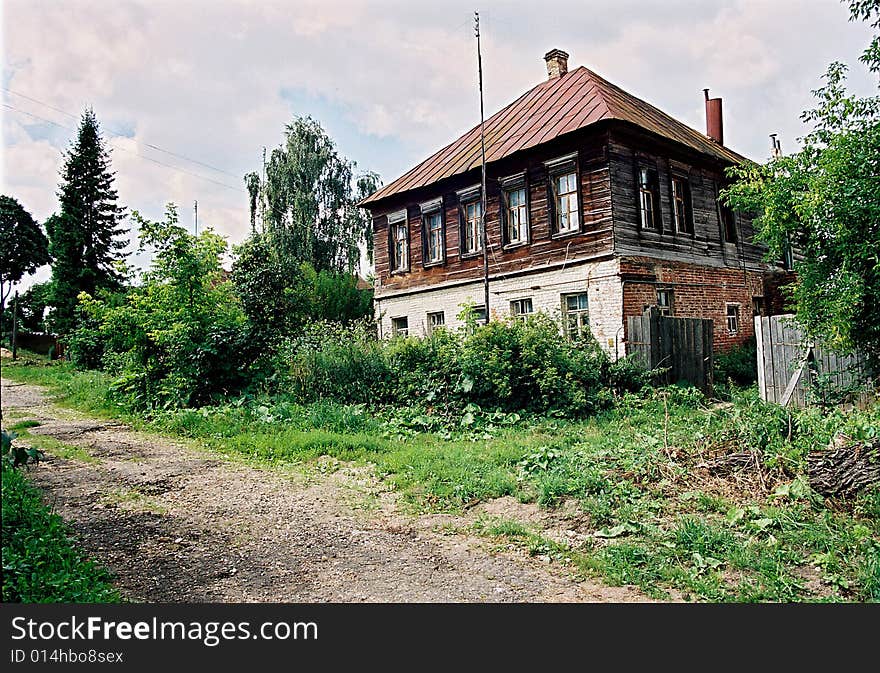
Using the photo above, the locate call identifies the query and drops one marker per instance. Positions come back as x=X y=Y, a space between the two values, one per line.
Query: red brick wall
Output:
x=698 y=292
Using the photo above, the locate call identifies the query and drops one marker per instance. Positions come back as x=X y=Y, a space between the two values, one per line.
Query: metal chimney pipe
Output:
x=714 y=118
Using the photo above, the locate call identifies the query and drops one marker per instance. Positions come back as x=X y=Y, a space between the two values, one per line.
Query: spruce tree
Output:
x=86 y=238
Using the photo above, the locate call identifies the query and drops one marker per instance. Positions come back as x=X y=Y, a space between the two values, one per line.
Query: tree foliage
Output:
x=824 y=201
x=252 y=182
x=178 y=338
x=23 y=245
x=311 y=195
x=85 y=237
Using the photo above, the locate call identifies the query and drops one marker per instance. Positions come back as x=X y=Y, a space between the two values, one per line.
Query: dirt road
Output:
x=175 y=523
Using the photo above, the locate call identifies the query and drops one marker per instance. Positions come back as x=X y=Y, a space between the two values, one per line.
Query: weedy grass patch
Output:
x=638 y=473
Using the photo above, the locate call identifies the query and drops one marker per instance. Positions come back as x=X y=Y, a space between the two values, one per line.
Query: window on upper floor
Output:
x=566 y=203
x=400 y=326
x=433 y=233
x=564 y=195
x=399 y=242
x=682 y=212
x=521 y=308
x=576 y=314
x=728 y=223
x=471 y=229
x=516 y=216
x=650 y=217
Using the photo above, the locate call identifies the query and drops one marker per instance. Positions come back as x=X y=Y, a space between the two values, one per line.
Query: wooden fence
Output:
x=794 y=371
x=681 y=345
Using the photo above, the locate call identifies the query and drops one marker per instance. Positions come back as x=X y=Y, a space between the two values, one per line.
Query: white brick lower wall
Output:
x=545 y=288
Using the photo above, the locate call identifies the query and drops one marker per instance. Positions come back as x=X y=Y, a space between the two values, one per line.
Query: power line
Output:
x=117 y=131
x=125 y=149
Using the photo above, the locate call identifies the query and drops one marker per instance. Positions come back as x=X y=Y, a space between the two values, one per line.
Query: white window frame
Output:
x=572 y=217
x=398 y=223
x=471 y=214
x=581 y=315
x=735 y=316
x=399 y=331
x=431 y=316
x=434 y=238
x=517 y=305
x=668 y=308
x=516 y=217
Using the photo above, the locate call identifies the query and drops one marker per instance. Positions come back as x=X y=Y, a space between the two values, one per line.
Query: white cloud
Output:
x=205 y=79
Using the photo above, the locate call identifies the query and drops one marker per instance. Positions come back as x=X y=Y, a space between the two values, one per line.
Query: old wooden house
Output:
x=598 y=206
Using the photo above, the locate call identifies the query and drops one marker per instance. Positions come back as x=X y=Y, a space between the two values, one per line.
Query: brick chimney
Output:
x=714 y=119
x=557 y=63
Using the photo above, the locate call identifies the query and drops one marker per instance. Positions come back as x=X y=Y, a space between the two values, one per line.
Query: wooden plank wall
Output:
x=595 y=238
x=627 y=150
x=781 y=351
x=684 y=346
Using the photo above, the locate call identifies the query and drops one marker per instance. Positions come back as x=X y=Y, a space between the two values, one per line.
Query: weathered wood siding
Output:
x=627 y=151
x=593 y=241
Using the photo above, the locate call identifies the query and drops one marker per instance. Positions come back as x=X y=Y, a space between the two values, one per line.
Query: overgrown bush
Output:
x=178 y=339
x=739 y=364
x=507 y=365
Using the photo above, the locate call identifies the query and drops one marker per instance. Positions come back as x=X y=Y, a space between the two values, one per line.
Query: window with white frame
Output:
x=479 y=313
x=576 y=312
x=566 y=203
x=521 y=308
x=733 y=318
x=516 y=221
x=436 y=319
x=664 y=300
x=471 y=216
x=400 y=326
x=433 y=238
x=399 y=257
x=649 y=199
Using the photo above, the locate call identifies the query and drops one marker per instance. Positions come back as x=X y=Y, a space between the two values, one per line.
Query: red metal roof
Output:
x=552 y=108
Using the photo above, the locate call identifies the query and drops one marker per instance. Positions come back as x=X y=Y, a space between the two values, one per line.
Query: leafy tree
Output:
x=85 y=237
x=178 y=338
x=32 y=305
x=23 y=246
x=252 y=182
x=311 y=195
x=825 y=202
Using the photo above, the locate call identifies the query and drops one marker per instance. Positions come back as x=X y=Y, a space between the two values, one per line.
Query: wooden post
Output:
x=15 y=326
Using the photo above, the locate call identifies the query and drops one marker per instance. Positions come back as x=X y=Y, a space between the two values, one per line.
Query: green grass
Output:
x=628 y=474
x=40 y=565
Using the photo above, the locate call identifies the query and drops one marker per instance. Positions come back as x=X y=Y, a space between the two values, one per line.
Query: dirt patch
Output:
x=173 y=523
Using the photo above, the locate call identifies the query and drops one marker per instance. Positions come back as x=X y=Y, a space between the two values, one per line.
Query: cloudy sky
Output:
x=190 y=91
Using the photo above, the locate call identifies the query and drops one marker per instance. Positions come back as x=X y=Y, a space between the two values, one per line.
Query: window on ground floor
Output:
x=435 y=320
x=521 y=308
x=733 y=318
x=576 y=314
x=664 y=300
x=400 y=326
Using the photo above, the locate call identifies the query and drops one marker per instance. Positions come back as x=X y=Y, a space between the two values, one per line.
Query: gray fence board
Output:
x=781 y=351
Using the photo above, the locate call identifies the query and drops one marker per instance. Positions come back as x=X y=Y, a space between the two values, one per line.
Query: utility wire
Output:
x=125 y=149
x=119 y=133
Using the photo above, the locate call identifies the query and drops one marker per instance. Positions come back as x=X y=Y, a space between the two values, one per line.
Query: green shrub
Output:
x=39 y=563
x=739 y=364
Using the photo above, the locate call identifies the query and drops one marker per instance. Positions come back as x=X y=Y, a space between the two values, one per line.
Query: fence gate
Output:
x=681 y=345
x=791 y=369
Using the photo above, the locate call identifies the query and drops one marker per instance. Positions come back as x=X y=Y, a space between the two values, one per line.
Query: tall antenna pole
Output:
x=196 y=210
x=485 y=240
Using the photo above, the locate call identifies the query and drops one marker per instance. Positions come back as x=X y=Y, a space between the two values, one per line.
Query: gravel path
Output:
x=174 y=523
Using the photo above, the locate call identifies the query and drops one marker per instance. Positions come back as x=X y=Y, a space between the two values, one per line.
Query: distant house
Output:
x=598 y=206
